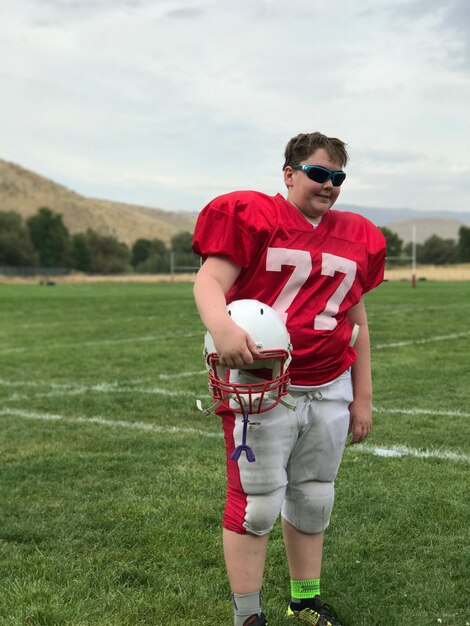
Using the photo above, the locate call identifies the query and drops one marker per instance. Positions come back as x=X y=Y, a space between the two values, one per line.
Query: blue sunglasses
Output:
x=320 y=174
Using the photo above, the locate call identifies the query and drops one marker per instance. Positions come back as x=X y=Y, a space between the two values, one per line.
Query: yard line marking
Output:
x=392 y=451
x=58 y=390
x=439 y=412
x=79 y=321
x=67 y=389
x=27 y=383
x=63 y=386
x=410 y=309
x=16 y=397
x=181 y=375
x=101 y=421
x=410 y=342
x=400 y=451
x=102 y=386
x=109 y=385
x=99 y=342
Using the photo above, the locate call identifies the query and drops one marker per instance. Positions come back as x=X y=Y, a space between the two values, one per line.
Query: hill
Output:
x=425 y=228
x=443 y=223
x=404 y=218
x=25 y=192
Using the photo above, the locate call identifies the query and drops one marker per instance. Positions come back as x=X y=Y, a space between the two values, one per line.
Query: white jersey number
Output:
x=302 y=262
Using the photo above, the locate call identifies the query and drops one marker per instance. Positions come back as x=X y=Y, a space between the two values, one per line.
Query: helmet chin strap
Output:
x=287 y=400
x=211 y=408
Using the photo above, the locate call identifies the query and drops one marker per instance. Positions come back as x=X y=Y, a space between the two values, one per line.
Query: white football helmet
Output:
x=260 y=385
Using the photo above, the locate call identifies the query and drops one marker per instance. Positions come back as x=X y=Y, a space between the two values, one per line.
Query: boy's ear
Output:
x=288 y=174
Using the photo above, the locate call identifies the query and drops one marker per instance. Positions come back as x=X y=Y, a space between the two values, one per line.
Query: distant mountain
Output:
x=25 y=192
x=445 y=224
x=425 y=228
x=386 y=217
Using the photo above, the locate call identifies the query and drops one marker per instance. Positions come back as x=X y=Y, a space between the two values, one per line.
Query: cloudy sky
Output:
x=170 y=103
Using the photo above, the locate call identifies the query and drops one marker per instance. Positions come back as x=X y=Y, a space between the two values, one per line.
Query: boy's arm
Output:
x=233 y=344
x=361 y=407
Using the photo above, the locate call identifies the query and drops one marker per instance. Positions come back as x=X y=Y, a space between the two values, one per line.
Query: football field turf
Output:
x=112 y=482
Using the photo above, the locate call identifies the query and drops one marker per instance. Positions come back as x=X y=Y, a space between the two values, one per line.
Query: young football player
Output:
x=312 y=265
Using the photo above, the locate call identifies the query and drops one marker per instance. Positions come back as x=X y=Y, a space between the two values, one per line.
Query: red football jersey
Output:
x=310 y=276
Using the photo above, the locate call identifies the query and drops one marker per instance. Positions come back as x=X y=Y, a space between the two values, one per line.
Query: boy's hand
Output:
x=360 y=422
x=235 y=347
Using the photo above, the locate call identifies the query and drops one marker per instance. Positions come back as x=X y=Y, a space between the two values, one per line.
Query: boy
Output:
x=312 y=265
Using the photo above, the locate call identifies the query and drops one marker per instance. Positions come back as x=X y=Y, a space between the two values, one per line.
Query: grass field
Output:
x=112 y=483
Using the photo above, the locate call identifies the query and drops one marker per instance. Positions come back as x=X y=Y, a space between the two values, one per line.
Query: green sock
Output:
x=304 y=589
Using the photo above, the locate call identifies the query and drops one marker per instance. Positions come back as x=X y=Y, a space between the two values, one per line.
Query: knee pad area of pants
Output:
x=308 y=506
x=262 y=511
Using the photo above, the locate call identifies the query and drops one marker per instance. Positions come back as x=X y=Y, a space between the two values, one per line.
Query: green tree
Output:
x=463 y=245
x=79 y=253
x=140 y=251
x=438 y=251
x=181 y=246
x=408 y=250
x=394 y=243
x=107 y=255
x=145 y=249
x=182 y=242
x=16 y=247
x=150 y=256
x=50 y=237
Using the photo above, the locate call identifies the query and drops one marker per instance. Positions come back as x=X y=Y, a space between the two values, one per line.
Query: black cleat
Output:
x=317 y=614
x=256 y=620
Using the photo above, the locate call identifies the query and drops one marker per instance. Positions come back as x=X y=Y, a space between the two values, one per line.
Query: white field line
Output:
x=181 y=375
x=109 y=385
x=405 y=310
x=101 y=421
x=400 y=451
x=76 y=390
x=17 y=397
x=79 y=321
x=411 y=342
x=46 y=384
x=439 y=412
x=392 y=451
x=67 y=389
x=100 y=342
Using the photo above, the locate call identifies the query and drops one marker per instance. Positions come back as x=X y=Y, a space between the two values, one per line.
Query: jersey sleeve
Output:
x=229 y=226
x=376 y=251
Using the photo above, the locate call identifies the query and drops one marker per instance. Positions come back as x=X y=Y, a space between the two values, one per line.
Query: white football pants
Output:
x=298 y=453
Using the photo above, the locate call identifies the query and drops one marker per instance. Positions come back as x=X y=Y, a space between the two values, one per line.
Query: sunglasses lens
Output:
x=338 y=179
x=318 y=174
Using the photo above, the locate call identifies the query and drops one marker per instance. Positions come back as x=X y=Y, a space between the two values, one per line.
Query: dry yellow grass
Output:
x=431 y=272
x=423 y=272
x=78 y=278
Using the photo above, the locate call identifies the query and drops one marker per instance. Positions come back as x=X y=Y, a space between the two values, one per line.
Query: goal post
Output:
x=413 y=256
x=409 y=260
x=176 y=268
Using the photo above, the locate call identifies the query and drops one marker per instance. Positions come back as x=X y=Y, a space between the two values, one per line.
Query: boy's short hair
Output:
x=302 y=146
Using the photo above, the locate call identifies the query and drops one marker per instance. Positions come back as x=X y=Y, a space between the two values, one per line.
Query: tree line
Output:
x=43 y=240
x=434 y=251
